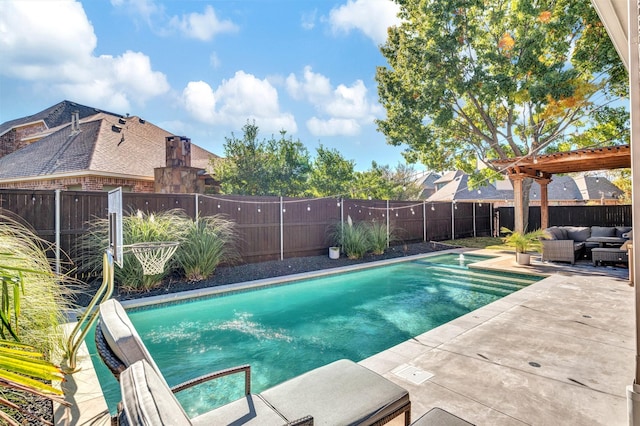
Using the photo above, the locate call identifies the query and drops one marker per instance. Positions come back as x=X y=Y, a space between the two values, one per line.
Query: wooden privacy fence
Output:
x=571 y=215
x=268 y=227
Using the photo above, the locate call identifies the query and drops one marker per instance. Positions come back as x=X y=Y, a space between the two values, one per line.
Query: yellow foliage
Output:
x=544 y=17
x=506 y=42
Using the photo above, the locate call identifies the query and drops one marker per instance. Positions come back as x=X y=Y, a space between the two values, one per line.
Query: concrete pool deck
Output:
x=559 y=351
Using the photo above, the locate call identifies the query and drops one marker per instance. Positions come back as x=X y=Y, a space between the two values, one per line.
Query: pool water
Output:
x=283 y=331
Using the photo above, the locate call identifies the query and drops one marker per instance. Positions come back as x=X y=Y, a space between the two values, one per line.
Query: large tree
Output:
x=497 y=79
x=331 y=173
x=253 y=167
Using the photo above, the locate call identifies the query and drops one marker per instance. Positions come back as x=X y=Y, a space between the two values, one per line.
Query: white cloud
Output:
x=333 y=127
x=308 y=20
x=214 y=61
x=314 y=87
x=372 y=17
x=241 y=98
x=148 y=10
x=52 y=43
x=202 y=26
x=346 y=107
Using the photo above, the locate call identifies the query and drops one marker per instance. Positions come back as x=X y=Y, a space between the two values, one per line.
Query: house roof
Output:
x=561 y=188
x=54 y=116
x=105 y=144
x=458 y=190
x=448 y=177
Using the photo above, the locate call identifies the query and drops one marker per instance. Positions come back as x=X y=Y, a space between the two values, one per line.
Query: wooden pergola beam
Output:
x=542 y=167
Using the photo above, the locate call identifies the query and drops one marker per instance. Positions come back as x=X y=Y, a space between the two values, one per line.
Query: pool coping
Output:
x=83 y=388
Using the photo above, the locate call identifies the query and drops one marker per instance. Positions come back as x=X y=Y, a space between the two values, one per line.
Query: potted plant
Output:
x=334 y=252
x=523 y=242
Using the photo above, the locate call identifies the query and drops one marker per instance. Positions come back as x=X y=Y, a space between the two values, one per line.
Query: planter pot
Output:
x=334 y=252
x=523 y=258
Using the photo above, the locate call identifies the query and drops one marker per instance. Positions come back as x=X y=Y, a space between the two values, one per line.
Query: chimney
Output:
x=75 y=122
x=178 y=151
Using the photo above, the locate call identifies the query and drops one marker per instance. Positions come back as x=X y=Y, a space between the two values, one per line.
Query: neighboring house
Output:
x=18 y=133
x=427 y=182
x=98 y=152
x=562 y=190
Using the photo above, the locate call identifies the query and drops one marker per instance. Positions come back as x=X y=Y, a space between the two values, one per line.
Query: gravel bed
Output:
x=255 y=271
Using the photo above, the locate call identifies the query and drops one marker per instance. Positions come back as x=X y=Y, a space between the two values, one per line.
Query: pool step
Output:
x=488 y=288
x=510 y=287
x=484 y=274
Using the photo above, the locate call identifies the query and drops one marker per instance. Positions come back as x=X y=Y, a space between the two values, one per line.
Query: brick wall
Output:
x=85 y=183
x=12 y=140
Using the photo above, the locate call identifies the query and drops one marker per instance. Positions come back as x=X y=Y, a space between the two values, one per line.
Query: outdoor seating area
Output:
x=342 y=392
x=569 y=243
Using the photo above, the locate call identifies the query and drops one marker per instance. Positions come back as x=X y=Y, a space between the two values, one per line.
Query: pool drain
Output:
x=412 y=374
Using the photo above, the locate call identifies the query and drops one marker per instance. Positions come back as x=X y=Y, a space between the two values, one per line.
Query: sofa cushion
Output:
x=554 y=233
x=147 y=400
x=603 y=231
x=621 y=230
x=578 y=233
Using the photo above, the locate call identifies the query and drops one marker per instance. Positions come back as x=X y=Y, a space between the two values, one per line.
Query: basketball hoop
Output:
x=153 y=255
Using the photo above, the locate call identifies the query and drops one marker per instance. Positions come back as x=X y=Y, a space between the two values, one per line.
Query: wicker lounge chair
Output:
x=342 y=392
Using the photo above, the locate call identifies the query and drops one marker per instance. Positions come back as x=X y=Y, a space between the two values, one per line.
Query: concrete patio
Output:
x=559 y=351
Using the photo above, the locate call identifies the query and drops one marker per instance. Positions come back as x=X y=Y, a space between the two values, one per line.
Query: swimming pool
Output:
x=286 y=330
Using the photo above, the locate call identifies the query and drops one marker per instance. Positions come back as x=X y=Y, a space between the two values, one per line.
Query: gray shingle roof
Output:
x=104 y=144
x=54 y=116
x=561 y=188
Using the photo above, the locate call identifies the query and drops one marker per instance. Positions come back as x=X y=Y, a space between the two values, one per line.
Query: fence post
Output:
x=387 y=223
x=491 y=219
x=57 y=230
x=453 y=220
x=424 y=220
x=281 y=229
x=341 y=222
x=197 y=212
x=474 y=219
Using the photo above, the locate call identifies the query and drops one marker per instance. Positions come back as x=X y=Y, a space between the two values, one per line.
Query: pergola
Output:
x=541 y=168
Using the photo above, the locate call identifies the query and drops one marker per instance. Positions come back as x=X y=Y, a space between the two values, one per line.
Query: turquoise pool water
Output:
x=285 y=330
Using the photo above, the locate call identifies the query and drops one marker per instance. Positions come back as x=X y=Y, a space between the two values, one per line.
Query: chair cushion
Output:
x=342 y=392
x=578 y=233
x=439 y=417
x=121 y=335
x=621 y=230
x=250 y=410
x=147 y=400
x=603 y=231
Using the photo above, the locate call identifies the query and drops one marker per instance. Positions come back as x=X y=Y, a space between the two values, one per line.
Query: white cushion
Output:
x=147 y=400
x=121 y=335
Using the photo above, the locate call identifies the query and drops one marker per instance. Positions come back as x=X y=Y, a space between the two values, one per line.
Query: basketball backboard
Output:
x=115 y=225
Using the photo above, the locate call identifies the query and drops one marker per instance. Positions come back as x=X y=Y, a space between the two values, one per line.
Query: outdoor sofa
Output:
x=569 y=243
x=342 y=392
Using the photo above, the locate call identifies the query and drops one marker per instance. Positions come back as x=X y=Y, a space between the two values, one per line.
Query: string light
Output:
x=308 y=207
x=433 y=208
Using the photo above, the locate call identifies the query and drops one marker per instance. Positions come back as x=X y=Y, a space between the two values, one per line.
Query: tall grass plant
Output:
x=207 y=242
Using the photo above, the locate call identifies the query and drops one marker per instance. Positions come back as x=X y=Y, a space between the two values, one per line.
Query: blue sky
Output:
x=203 y=68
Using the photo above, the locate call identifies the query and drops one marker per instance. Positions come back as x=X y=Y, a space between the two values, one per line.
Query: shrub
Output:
x=352 y=237
x=136 y=228
x=32 y=303
x=33 y=297
x=377 y=237
x=208 y=241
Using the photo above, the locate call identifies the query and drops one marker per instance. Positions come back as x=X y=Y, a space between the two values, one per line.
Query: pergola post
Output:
x=518 y=208
x=544 y=202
